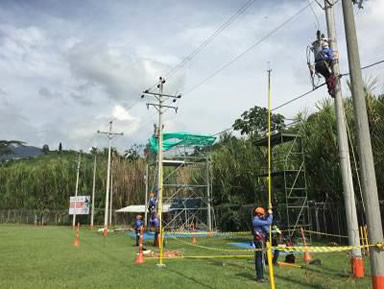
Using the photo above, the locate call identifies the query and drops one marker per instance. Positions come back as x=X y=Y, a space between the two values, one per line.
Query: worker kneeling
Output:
x=260 y=229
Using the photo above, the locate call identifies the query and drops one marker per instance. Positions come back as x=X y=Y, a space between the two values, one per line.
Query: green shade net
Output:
x=174 y=139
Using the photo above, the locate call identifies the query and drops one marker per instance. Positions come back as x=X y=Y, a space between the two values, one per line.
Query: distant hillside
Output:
x=21 y=152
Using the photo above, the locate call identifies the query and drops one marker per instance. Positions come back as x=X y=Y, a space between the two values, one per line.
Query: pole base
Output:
x=357 y=267
x=378 y=282
x=140 y=258
x=161 y=266
x=105 y=232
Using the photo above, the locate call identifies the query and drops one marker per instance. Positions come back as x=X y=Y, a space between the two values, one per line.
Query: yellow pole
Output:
x=363 y=239
x=366 y=239
x=269 y=247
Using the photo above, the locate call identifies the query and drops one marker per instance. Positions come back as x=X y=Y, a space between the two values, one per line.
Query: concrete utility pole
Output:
x=345 y=162
x=110 y=136
x=110 y=203
x=93 y=188
x=146 y=195
x=208 y=176
x=160 y=106
x=76 y=191
x=367 y=167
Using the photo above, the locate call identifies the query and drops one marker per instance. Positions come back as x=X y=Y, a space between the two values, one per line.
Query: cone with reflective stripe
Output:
x=307 y=255
x=140 y=256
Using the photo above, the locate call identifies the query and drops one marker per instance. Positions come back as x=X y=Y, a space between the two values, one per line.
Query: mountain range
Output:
x=21 y=152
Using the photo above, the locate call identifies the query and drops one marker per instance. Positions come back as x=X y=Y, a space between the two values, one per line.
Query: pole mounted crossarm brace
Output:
x=157 y=106
x=110 y=134
x=161 y=94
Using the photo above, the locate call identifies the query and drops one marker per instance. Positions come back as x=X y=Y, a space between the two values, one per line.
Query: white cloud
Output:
x=121 y=113
x=63 y=77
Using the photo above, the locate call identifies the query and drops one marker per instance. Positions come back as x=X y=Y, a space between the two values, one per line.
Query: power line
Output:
x=369 y=66
x=210 y=38
x=312 y=90
x=298 y=97
x=249 y=48
x=207 y=41
x=223 y=131
x=304 y=94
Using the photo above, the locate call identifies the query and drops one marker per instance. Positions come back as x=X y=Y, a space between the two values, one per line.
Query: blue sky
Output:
x=68 y=67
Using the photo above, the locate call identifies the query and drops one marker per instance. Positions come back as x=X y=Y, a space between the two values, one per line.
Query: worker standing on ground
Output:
x=138 y=226
x=260 y=228
x=155 y=223
x=276 y=240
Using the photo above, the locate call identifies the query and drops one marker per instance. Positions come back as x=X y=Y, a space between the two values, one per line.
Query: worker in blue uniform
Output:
x=155 y=223
x=138 y=225
x=323 y=66
x=260 y=229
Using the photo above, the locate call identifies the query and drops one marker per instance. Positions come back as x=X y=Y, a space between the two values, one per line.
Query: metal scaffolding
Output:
x=187 y=189
x=289 y=185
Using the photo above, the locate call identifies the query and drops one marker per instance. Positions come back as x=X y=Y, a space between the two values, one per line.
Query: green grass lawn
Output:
x=43 y=257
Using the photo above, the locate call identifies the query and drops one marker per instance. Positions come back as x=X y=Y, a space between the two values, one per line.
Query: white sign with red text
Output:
x=82 y=205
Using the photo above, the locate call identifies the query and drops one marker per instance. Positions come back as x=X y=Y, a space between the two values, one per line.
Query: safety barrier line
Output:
x=248 y=233
x=208 y=233
x=206 y=257
x=216 y=249
x=325 y=234
x=319 y=249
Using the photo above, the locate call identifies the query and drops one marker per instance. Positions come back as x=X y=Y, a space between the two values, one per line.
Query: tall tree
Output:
x=45 y=149
x=255 y=121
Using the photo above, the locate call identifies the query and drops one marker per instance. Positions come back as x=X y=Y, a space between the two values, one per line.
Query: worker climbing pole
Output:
x=323 y=57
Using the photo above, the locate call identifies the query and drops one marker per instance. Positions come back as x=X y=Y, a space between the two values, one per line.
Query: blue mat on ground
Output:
x=150 y=235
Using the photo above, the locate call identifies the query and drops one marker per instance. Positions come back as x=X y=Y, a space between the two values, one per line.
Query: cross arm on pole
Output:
x=161 y=94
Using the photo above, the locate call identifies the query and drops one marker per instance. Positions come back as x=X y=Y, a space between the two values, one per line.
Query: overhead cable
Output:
x=207 y=41
x=221 y=68
x=312 y=90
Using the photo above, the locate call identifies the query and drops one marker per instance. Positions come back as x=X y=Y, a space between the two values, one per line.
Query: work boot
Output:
x=261 y=280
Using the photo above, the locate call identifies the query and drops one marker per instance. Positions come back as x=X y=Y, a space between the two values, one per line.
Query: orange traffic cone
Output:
x=105 y=232
x=307 y=255
x=194 y=240
x=76 y=242
x=140 y=256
